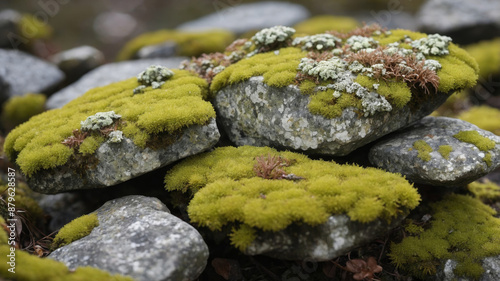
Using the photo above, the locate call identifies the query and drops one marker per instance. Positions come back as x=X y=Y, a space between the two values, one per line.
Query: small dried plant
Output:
x=271 y=167
x=205 y=66
x=76 y=139
x=363 y=270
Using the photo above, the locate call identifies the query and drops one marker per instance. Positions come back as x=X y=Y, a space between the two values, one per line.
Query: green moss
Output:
x=90 y=145
x=487 y=55
x=322 y=23
x=396 y=92
x=473 y=137
x=462 y=229
x=32 y=268
x=76 y=229
x=323 y=104
x=4 y=238
x=32 y=28
x=23 y=201
x=179 y=103
x=445 y=151
x=486 y=191
x=424 y=150
x=398 y=35
x=189 y=43
x=19 y=109
x=487 y=159
x=485 y=117
x=228 y=193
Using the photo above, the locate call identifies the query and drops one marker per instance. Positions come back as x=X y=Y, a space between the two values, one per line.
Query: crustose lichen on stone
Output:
x=153 y=76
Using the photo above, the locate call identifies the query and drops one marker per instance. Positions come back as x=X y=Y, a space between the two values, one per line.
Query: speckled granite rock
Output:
x=114 y=163
x=465 y=20
x=105 y=75
x=490 y=265
x=253 y=113
x=334 y=238
x=137 y=236
x=24 y=73
x=465 y=163
x=246 y=17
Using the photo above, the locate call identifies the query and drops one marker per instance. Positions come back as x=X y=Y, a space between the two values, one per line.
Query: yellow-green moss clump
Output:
x=462 y=229
x=424 y=150
x=487 y=191
x=32 y=268
x=445 y=151
x=177 y=104
x=323 y=78
x=189 y=43
x=487 y=55
x=320 y=24
x=76 y=229
x=473 y=137
x=485 y=117
x=20 y=109
x=31 y=27
x=24 y=201
x=228 y=194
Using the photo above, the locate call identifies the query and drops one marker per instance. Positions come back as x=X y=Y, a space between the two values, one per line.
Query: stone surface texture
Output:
x=119 y=162
x=334 y=238
x=464 y=164
x=246 y=17
x=23 y=73
x=253 y=113
x=105 y=75
x=490 y=265
x=137 y=236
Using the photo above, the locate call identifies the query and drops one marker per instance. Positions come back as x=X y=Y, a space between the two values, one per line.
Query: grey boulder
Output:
x=246 y=17
x=9 y=27
x=324 y=242
x=78 y=61
x=466 y=21
x=114 y=163
x=490 y=265
x=23 y=73
x=253 y=113
x=137 y=236
x=105 y=75
x=464 y=164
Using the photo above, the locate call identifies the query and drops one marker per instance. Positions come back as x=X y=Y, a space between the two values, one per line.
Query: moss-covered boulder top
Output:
x=252 y=189
x=125 y=117
x=332 y=92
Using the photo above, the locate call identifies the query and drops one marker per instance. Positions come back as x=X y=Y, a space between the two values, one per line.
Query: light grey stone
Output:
x=24 y=73
x=465 y=163
x=138 y=237
x=78 y=61
x=62 y=208
x=253 y=113
x=334 y=238
x=246 y=17
x=491 y=266
x=466 y=21
x=114 y=163
x=104 y=75
x=162 y=50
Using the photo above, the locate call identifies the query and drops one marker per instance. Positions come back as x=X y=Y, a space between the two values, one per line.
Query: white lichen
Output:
x=357 y=43
x=115 y=136
x=154 y=76
x=327 y=69
x=272 y=35
x=99 y=120
x=433 y=44
x=317 y=42
x=433 y=65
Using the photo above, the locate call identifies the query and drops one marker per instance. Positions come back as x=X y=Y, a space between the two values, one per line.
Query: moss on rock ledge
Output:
x=76 y=229
x=462 y=229
x=228 y=193
x=177 y=104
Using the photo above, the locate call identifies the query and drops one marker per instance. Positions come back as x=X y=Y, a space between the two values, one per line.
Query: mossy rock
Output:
x=32 y=268
x=322 y=23
x=272 y=99
x=229 y=194
x=461 y=229
x=19 y=109
x=189 y=43
x=76 y=229
x=155 y=124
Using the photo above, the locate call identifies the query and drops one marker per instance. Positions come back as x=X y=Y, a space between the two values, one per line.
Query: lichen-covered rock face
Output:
x=491 y=266
x=138 y=237
x=337 y=236
x=271 y=200
x=439 y=151
x=73 y=148
x=242 y=18
x=23 y=73
x=104 y=75
x=467 y=21
x=332 y=93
